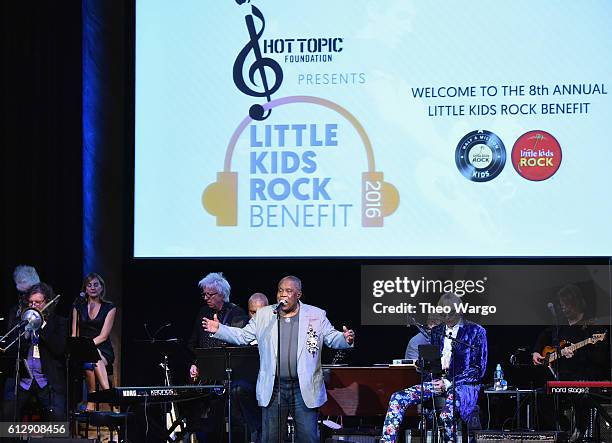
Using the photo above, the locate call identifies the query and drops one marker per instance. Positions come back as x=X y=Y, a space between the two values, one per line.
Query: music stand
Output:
x=429 y=358
x=82 y=350
x=167 y=347
x=79 y=350
x=242 y=360
x=225 y=362
x=171 y=349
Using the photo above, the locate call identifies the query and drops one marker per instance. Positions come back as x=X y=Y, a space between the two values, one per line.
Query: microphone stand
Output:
x=278 y=357
x=422 y=367
x=77 y=305
x=557 y=346
x=454 y=342
x=15 y=390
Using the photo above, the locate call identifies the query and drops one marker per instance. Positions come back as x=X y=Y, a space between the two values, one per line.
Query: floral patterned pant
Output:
x=400 y=400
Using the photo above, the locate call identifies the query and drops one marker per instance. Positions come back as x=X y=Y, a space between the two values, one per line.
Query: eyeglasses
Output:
x=209 y=294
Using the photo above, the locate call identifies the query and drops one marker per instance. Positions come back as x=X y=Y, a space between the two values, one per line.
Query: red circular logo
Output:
x=536 y=155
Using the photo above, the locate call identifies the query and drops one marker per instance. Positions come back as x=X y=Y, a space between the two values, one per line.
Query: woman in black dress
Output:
x=96 y=318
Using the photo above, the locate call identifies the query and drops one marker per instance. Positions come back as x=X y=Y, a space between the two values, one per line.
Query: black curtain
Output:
x=41 y=145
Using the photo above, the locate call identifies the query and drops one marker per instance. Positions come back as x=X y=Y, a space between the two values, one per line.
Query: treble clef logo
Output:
x=261 y=65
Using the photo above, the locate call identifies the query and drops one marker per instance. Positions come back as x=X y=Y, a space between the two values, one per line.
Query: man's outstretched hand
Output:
x=211 y=326
x=349 y=335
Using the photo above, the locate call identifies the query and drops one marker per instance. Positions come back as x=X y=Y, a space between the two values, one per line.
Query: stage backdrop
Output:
x=352 y=128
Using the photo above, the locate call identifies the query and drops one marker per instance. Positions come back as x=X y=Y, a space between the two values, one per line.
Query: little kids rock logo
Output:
x=285 y=189
x=536 y=155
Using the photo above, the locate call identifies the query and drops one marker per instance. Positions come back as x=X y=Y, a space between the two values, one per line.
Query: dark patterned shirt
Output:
x=230 y=315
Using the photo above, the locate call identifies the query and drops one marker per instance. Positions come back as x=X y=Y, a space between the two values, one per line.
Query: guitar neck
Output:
x=575 y=346
x=580 y=344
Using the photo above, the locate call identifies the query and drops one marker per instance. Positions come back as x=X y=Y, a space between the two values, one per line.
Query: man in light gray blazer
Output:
x=303 y=331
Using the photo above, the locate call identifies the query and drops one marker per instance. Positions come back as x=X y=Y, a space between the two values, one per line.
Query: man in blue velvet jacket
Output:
x=469 y=365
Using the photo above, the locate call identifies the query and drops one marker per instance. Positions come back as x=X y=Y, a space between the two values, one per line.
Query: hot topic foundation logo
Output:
x=290 y=175
x=263 y=66
x=536 y=155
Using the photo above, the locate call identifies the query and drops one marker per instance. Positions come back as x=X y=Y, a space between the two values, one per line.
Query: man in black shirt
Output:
x=216 y=293
x=25 y=277
x=42 y=355
x=589 y=362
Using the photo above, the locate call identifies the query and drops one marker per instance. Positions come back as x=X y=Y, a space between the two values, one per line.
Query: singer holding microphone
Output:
x=96 y=317
x=303 y=330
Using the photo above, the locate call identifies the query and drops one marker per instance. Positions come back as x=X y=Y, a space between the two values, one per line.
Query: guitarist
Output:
x=590 y=362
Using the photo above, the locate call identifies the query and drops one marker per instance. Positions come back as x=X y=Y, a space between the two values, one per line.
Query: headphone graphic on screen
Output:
x=378 y=197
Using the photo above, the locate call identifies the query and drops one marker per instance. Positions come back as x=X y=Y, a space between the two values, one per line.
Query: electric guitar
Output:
x=550 y=353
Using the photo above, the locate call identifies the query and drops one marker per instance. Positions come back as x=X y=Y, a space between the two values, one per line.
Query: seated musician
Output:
x=94 y=318
x=469 y=370
x=589 y=362
x=216 y=293
x=42 y=357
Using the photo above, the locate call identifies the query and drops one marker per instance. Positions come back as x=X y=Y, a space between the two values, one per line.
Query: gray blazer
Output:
x=262 y=327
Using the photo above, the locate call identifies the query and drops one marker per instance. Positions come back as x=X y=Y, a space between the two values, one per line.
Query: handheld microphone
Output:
x=279 y=305
x=551 y=308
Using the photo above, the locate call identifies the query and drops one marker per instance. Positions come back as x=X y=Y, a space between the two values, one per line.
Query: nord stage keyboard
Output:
x=579 y=387
x=158 y=394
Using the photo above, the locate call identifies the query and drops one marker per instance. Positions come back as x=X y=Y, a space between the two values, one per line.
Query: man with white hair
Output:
x=215 y=291
x=25 y=277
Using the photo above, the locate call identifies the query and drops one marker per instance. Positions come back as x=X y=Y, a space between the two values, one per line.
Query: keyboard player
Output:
x=208 y=419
